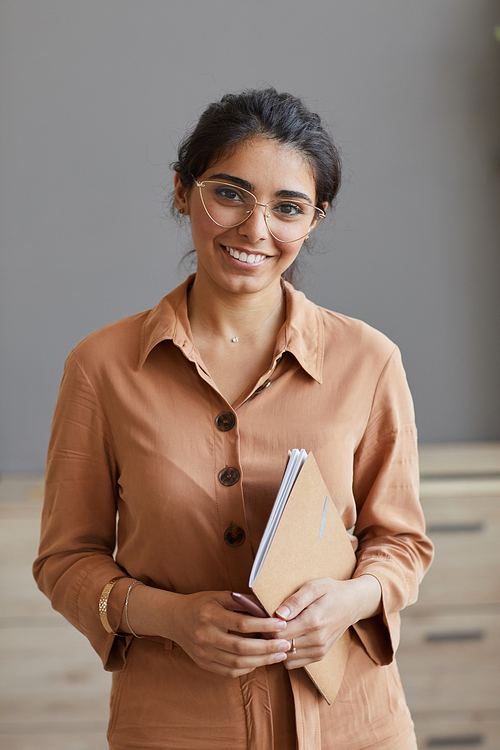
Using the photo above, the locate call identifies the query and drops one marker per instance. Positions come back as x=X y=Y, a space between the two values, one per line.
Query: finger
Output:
x=240 y=656
x=258 y=647
x=254 y=648
x=297 y=602
x=241 y=622
x=294 y=662
x=294 y=659
x=233 y=631
x=247 y=623
x=305 y=651
x=232 y=665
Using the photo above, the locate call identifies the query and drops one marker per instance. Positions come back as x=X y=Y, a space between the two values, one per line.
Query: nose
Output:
x=255 y=227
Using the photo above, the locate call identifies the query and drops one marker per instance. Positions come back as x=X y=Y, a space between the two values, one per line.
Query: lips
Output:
x=243 y=257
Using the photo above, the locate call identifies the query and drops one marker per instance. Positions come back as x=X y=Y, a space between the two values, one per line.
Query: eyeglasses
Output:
x=287 y=219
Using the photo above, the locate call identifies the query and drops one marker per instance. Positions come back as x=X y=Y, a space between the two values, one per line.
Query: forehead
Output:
x=267 y=164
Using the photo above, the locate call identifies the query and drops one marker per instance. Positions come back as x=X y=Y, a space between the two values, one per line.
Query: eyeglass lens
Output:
x=228 y=206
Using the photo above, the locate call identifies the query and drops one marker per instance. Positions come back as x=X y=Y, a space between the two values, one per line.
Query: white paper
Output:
x=293 y=467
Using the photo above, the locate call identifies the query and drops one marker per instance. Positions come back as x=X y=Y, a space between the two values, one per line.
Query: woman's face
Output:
x=269 y=170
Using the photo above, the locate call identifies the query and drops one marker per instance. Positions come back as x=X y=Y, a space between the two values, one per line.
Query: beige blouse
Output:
x=141 y=431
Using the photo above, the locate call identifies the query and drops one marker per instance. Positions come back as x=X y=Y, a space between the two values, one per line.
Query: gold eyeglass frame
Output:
x=200 y=185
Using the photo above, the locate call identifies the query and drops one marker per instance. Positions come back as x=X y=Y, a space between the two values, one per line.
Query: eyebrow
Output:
x=292 y=194
x=248 y=186
x=230 y=178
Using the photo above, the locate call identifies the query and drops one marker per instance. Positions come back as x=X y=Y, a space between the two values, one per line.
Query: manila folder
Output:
x=310 y=542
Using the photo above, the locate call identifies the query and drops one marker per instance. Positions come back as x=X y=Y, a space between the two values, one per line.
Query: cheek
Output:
x=202 y=227
x=291 y=250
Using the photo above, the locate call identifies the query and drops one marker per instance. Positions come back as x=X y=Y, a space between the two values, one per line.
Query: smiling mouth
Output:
x=250 y=258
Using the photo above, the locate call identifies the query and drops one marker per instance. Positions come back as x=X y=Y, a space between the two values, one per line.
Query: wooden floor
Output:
x=54 y=693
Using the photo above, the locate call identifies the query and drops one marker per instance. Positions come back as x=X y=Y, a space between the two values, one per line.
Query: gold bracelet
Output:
x=134 y=583
x=103 y=604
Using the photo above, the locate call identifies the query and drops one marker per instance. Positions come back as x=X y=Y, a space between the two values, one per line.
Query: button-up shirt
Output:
x=142 y=434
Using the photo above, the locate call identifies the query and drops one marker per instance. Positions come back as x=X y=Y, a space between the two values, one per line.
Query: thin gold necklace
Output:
x=237 y=339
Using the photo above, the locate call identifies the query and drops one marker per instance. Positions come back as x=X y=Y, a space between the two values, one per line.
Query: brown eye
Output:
x=227 y=194
x=289 y=210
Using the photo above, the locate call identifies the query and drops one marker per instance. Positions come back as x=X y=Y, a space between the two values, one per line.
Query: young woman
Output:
x=178 y=421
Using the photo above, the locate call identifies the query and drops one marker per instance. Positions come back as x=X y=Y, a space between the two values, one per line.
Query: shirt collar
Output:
x=168 y=321
x=302 y=334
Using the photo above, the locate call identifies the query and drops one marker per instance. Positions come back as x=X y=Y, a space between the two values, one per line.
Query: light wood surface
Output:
x=453 y=660
x=459 y=459
x=449 y=657
x=54 y=694
x=464 y=727
x=466 y=567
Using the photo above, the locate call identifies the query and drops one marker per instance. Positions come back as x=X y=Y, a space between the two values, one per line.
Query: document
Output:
x=305 y=538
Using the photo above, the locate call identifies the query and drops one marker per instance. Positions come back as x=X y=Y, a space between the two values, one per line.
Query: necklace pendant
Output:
x=235 y=340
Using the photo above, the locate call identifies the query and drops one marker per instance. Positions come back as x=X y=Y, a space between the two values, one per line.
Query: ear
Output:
x=324 y=206
x=180 y=196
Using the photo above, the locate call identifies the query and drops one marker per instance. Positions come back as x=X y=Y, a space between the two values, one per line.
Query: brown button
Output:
x=225 y=421
x=229 y=476
x=234 y=536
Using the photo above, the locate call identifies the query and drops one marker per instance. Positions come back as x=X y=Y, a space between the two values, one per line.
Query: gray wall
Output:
x=95 y=95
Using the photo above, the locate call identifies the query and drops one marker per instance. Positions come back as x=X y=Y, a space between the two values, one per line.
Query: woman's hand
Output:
x=322 y=610
x=208 y=629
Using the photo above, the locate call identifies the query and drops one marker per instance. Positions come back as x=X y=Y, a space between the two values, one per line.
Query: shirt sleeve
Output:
x=390 y=524
x=78 y=531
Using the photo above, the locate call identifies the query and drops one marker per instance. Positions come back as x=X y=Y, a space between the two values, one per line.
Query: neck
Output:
x=224 y=316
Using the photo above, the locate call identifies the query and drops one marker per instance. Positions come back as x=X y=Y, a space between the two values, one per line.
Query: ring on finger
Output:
x=293 y=650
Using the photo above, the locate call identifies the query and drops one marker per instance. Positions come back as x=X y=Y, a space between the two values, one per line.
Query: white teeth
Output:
x=251 y=258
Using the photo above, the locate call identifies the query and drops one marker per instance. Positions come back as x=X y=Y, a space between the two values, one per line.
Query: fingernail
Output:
x=279 y=657
x=285 y=646
x=281 y=625
x=283 y=612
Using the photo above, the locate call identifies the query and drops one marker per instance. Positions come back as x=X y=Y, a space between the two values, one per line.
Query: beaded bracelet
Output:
x=134 y=583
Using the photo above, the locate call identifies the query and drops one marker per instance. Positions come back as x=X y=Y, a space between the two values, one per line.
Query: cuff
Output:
x=380 y=634
x=117 y=644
